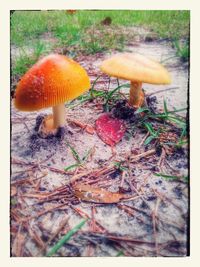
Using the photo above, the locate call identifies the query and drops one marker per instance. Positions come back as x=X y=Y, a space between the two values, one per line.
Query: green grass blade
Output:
x=149 y=139
x=149 y=127
x=66 y=238
x=75 y=154
x=184 y=132
x=92 y=88
x=111 y=93
x=120 y=253
x=171 y=177
x=165 y=108
x=85 y=157
x=71 y=167
x=176 y=120
x=179 y=144
x=117 y=88
x=177 y=110
x=139 y=110
x=119 y=166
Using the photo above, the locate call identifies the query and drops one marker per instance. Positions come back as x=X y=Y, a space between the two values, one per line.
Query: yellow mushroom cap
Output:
x=51 y=81
x=136 y=67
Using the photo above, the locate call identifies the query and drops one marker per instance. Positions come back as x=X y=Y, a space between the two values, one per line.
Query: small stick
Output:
x=123 y=178
x=62 y=225
x=161 y=160
x=163 y=90
x=133 y=188
x=17 y=247
x=35 y=237
x=85 y=215
x=42 y=213
x=143 y=139
x=163 y=198
x=35 y=165
x=130 y=211
x=27 y=180
x=154 y=216
x=26 y=126
x=87 y=127
x=142 y=155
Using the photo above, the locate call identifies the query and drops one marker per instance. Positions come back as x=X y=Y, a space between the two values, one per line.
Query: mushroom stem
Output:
x=59 y=115
x=136 y=98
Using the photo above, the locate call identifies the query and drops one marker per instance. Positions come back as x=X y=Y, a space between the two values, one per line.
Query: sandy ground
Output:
x=152 y=224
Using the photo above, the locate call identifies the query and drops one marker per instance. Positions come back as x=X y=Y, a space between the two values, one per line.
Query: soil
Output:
x=155 y=223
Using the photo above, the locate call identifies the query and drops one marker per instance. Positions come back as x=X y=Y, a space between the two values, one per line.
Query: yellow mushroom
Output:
x=137 y=69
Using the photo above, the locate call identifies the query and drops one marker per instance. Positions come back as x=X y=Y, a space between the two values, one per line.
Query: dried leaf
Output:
x=98 y=195
x=110 y=130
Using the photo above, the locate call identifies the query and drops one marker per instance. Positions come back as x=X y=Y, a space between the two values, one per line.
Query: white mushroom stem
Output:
x=59 y=115
x=136 y=97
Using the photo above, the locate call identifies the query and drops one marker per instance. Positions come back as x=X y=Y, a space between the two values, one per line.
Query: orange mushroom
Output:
x=49 y=83
x=136 y=68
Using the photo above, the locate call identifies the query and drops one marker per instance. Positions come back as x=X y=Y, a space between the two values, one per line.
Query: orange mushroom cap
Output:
x=51 y=81
x=136 y=68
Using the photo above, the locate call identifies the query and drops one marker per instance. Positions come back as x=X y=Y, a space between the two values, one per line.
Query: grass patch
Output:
x=26 y=59
x=79 y=161
x=182 y=50
x=83 y=31
x=168 y=24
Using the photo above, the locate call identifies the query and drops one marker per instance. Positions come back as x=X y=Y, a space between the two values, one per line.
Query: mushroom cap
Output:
x=136 y=68
x=51 y=81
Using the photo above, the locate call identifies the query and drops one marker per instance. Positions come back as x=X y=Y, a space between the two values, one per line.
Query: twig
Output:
x=33 y=234
x=143 y=139
x=41 y=213
x=130 y=211
x=36 y=165
x=161 y=159
x=17 y=247
x=87 y=127
x=154 y=216
x=62 y=225
x=85 y=215
x=25 y=180
x=164 y=197
x=163 y=90
x=142 y=155
x=123 y=178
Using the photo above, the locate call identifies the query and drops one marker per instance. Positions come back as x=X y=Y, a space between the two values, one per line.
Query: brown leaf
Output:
x=98 y=195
